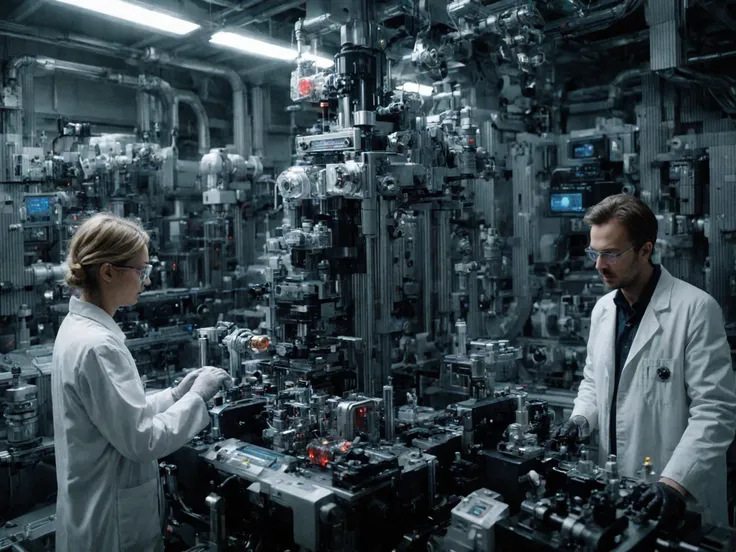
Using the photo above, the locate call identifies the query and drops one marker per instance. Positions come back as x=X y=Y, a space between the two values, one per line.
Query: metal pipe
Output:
x=154 y=85
x=617 y=86
x=388 y=407
x=66 y=40
x=258 y=120
x=125 y=52
x=712 y=57
x=203 y=122
x=236 y=83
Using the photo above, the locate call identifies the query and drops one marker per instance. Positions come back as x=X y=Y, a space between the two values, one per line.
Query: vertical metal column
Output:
x=385 y=268
x=444 y=272
x=370 y=226
x=259 y=118
x=523 y=184
x=722 y=219
x=666 y=47
x=428 y=263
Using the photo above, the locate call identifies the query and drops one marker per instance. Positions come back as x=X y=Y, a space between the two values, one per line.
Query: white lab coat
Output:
x=108 y=437
x=686 y=423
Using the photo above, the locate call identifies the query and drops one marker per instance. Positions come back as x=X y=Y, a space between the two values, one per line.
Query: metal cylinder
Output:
x=259 y=120
x=461 y=335
x=388 y=407
x=474 y=318
x=235 y=363
x=467 y=437
x=431 y=481
x=216 y=505
x=21 y=413
x=522 y=412
x=202 y=350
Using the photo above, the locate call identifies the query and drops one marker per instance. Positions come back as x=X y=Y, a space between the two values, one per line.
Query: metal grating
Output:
x=12 y=267
x=653 y=136
x=665 y=43
x=723 y=219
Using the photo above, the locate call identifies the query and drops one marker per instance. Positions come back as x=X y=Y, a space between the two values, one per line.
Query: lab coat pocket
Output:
x=138 y=520
x=656 y=377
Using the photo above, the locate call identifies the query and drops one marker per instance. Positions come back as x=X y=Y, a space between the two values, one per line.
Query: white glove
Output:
x=185 y=385
x=209 y=382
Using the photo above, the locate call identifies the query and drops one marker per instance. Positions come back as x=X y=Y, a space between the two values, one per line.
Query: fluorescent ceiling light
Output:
x=136 y=14
x=421 y=89
x=253 y=46
x=319 y=61
x=266 y=49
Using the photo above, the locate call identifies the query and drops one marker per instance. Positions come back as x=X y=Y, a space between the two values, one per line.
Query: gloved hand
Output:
x=209 y=382
x=568 y=432
x=664 y=502
x=185 y=385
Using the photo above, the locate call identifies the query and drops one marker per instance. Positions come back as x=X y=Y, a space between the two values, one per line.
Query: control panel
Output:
x=245 y=460
x=39 y=208
x=344 y=140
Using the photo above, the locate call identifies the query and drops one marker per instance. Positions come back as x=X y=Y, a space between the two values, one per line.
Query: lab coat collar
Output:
x=93 y=312
x=660 y=298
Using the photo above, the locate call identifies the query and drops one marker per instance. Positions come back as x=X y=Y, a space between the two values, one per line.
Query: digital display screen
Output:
x=583 y=151
x=38 y=205
x=260 y=456
x=566 y=203
x=478 y=510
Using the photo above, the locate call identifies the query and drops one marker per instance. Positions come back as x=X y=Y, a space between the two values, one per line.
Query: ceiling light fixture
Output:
x=421 y=89
x=137 y=14
x=258 y=47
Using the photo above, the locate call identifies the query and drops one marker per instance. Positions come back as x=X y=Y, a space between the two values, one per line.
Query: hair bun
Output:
x=77 y=276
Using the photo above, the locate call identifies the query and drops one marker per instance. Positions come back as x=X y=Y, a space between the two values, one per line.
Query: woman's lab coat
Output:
x=683 y=417
x=108 y=437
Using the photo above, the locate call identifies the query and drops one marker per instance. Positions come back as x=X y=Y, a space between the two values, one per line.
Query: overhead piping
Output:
x=203 y=121
x=236 y=83
x=134 y=55
x=152 y=85
x=616 y=88
x=65 y=40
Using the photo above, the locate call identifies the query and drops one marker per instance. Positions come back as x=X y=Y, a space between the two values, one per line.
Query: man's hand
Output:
x=664 y=502
x=568 y=432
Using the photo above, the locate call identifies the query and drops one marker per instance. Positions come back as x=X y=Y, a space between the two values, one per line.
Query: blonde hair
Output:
x=104 y=238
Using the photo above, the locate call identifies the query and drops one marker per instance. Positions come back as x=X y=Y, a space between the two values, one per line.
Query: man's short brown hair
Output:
x=634 y=214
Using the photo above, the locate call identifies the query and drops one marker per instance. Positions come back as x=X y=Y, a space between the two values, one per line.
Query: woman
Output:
x=108 y=433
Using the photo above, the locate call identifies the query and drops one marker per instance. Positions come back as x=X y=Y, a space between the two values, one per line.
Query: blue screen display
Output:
x=566 y=203
x=260 y=456
x=583 y=151
x=38 y=205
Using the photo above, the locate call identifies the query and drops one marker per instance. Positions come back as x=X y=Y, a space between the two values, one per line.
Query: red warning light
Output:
x=305 y=87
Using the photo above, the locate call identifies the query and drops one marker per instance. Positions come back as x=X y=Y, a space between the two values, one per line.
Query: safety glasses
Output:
x=610 y=258
x=143 y=272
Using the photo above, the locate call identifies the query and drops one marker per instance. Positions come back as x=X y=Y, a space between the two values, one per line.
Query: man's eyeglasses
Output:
x=610 y=258
x=143 y=272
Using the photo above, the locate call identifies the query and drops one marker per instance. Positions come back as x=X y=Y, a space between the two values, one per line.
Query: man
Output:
x=658 y=380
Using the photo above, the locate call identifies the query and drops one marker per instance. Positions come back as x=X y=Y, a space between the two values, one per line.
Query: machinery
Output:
x=404 y=306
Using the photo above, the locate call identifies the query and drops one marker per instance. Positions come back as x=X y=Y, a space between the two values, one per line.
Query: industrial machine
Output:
x=404 y=307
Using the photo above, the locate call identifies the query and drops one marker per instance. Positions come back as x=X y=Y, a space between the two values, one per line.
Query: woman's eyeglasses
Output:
x=143 y=272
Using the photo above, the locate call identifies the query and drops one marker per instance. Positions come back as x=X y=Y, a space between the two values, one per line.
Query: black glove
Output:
x=568 y=432
x=663 y=502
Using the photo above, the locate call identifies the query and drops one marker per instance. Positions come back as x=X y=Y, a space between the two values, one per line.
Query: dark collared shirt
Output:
x=628 y=318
